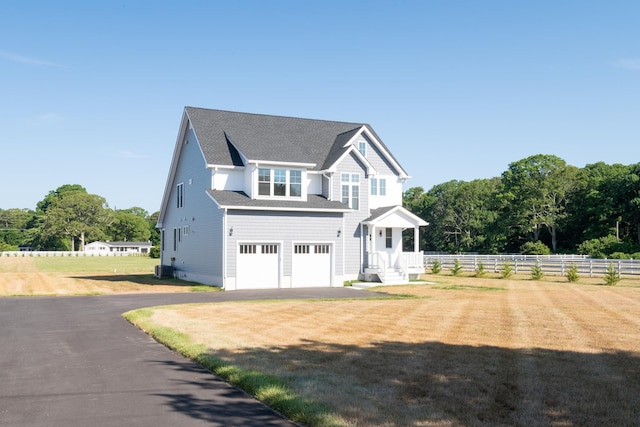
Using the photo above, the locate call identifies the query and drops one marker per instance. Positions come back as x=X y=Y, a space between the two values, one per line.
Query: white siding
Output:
x=226 y=179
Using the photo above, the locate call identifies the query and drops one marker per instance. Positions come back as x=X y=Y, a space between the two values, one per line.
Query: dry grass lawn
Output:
x=31 y=276
x=465 y=352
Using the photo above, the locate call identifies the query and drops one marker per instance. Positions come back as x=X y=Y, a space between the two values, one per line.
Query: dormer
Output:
x=277 y=181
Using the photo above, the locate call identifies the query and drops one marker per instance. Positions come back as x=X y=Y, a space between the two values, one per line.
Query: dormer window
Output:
x=279 y=182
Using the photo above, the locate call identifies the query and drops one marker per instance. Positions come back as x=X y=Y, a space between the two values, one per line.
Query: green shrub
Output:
x=506 y=270
x=635 y=255
x=154 y=252
x=535 y=248
x=572 y=273
x=480 y=269
x=611 y=276
x=436 y=266
x=619 y=255
x=457 y=267
x=536 y=271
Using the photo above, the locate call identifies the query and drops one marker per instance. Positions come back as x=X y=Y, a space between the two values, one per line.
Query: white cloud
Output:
x=27 y=60
x=628 y=63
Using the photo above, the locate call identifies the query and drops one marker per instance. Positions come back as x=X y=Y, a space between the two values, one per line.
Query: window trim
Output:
x=287 y=184
x=350 y=190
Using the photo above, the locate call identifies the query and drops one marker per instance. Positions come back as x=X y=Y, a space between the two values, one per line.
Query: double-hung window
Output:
x=351 y=190
x=279 y=182
x=295 y=183
x=264 y=182
x=378 y=186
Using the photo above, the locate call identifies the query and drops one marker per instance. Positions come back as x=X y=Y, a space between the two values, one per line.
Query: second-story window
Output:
x=264 y=182
x=180 y=195
x=378 y=186
x=351 y=190
x=279 y=182
x=295 y=183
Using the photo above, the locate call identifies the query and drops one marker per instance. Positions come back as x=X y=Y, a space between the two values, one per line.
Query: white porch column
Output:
x=416 y=239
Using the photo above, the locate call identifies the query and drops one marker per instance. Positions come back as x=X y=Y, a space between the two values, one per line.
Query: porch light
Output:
x=380 y=233
x=230 y=231
x=339 y=232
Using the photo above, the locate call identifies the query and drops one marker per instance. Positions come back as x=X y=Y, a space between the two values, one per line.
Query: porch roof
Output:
x=393 y=216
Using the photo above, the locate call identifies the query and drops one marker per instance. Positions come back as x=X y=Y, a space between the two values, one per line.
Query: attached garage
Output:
x=311 y=265
x=258 y=266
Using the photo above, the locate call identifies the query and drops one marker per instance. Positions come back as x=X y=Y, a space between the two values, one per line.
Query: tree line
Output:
x=68 y=217
x=539 y=205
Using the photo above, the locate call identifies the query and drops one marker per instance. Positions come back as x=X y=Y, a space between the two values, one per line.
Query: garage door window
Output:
x=269 y=249
x=247 y=249
x=322 y=249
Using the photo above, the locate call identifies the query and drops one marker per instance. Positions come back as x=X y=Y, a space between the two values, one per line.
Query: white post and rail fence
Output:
x=552 y=265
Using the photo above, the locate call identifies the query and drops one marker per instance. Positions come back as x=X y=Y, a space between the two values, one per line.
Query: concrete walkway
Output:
x=74 y=361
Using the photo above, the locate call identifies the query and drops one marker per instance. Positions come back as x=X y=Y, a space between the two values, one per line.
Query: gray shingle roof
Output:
x=238 y=199
x=269 y=138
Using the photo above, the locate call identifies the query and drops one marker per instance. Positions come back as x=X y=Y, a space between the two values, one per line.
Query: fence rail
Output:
x=549 y=264
x=68 y=254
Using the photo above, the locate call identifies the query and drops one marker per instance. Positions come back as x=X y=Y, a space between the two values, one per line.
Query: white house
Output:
x=104 y=248
x=258 y=201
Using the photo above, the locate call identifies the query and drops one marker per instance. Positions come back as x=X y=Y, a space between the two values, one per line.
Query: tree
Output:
x=536 y=191
x=129 y=227
x=76 y=214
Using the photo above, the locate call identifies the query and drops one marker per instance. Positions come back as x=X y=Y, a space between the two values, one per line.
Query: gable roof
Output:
x=389 y=212
x=268 y=138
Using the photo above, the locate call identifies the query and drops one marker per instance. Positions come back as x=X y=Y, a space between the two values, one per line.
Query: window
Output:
x=378 y=186
x=279 y=182
x=389 y=238
x=162 y=239
x=322 y=249
x=295 y=183
x=264 y=182
x=362 y=148
x=175 y=239
x=301 y=249
x=185 y=230
x=247 y=249
x=269 y=249
x=180 y=195
x=351 y=190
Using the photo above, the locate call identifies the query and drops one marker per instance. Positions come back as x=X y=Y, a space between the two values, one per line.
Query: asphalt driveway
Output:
x=74 y=361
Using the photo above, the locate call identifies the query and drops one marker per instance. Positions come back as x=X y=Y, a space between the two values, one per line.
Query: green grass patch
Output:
x=84 y=264
x=269 y=389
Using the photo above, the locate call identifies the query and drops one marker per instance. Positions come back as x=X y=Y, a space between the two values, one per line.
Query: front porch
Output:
x=410 y=266
x=384 y=260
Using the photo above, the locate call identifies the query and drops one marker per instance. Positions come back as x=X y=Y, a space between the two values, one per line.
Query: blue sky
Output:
x=92 y=93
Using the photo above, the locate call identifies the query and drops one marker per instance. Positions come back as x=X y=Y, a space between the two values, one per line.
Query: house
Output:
x=259 y=201
x=104 y=248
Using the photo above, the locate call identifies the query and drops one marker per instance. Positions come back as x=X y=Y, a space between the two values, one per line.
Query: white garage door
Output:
x=258 y=266
x=311 y=265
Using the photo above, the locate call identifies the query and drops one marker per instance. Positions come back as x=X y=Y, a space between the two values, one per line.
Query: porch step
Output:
x=394 y=277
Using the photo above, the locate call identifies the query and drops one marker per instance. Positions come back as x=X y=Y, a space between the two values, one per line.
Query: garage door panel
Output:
x=311 y=265
x=258 y=266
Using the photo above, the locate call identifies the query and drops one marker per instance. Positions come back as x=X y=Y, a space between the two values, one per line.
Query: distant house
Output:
x=102 y=248
x=258 y=201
